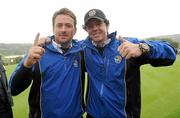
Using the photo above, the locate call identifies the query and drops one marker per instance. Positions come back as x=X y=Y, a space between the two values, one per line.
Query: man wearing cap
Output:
x=113 y=67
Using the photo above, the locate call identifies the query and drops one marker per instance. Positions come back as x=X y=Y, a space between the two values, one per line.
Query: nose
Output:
x=63 y=28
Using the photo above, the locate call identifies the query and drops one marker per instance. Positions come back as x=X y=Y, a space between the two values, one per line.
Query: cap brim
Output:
x=94 y=17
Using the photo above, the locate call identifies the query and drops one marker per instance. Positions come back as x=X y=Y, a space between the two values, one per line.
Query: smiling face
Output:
x=97 y=30
x=64 y=29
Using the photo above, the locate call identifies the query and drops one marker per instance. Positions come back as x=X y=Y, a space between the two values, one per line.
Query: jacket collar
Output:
x=75 y=46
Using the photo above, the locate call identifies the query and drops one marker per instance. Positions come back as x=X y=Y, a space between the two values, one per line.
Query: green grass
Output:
x=160 y=92
x=20 y=108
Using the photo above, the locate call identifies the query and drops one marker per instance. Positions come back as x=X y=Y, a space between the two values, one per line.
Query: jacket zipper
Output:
x=65 y=65
x=40 y=88
x=106 y=69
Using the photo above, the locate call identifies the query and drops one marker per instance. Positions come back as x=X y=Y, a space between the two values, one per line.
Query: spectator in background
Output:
x=5 y=96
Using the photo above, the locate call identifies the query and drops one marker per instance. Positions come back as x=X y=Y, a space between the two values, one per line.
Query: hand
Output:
x=41 y=41
x=128 y=49
x=36 y=51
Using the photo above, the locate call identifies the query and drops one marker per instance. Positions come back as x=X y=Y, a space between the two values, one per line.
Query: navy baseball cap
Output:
x=94 y=13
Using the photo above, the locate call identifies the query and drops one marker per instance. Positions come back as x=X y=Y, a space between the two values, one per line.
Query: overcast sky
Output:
x=21 y=19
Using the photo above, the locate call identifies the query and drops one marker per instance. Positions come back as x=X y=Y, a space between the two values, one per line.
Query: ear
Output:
x=107 y=25
x=84 y=27
x=75 y=30
x=53 y=29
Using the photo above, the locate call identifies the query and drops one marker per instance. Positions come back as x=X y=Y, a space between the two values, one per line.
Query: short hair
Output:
x=64 y=11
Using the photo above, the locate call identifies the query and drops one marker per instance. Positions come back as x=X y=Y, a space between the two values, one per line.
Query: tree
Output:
x=175 y=44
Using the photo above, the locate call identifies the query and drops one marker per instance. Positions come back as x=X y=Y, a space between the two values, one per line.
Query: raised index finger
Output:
x=36 y=39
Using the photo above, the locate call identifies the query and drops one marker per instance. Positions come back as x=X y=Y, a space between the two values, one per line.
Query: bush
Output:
x=12 y=60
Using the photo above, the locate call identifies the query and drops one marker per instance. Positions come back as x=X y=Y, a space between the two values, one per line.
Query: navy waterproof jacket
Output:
x=109 y=74
x=60 y=89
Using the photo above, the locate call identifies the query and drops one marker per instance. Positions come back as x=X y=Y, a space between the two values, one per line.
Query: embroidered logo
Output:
x=118 y=59
x=92 y=13
x=75 y=64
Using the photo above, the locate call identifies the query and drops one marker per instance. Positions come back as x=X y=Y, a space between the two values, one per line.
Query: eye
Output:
x=94 y=23
x=59 y=25
x=89 y=26
x=69 y=25
x=98 y=23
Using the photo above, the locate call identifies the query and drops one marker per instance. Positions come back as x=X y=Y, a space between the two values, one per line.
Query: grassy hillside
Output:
x=160 y=93
x=14 y=49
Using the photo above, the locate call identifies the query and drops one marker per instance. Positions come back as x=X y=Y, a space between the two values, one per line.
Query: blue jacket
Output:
x=107 y=74
x=60 y=91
